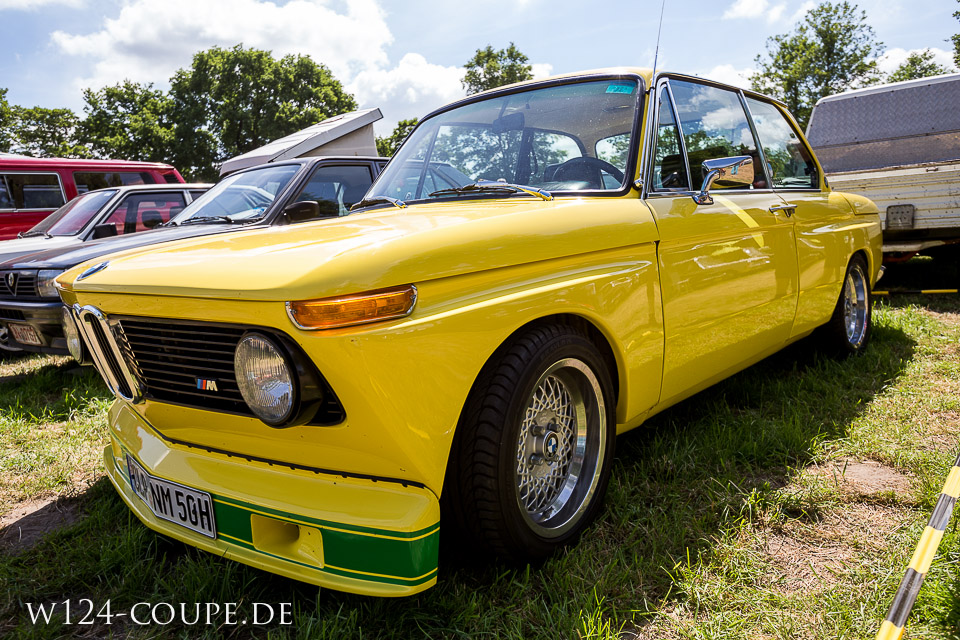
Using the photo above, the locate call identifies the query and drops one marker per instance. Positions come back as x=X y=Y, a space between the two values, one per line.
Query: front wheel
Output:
x=534 y=446
x=848 y=330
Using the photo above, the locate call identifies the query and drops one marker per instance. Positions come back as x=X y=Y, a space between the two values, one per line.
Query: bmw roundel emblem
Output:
x=551 y=445
x=92 y=270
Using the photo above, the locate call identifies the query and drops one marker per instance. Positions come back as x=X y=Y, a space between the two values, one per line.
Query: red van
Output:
x=32 y=188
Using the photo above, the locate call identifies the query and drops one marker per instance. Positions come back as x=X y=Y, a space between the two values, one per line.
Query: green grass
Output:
x=725 y=516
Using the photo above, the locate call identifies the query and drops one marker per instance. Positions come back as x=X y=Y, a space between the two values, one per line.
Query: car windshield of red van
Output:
x=72 y=217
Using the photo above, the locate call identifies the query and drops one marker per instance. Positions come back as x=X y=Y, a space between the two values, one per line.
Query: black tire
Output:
x=848 y=331
x=517 y=485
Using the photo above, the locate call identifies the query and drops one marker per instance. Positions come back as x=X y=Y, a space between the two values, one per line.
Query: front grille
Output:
x=170 y=356
x=24 y=284
x=12 y=314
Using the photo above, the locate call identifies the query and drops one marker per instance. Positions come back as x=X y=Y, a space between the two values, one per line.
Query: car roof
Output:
x=645 y=73
x=309 y=160
x=15 y=161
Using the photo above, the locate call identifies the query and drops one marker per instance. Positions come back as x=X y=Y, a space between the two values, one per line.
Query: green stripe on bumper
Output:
x=362 y=553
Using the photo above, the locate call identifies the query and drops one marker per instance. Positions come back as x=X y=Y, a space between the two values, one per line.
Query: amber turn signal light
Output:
x=357 y=308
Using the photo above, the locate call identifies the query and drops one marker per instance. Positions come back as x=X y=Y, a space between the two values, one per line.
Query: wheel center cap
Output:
x=547 y=446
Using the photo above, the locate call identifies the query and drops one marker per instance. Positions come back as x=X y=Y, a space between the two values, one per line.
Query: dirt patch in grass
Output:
x=858 y=479
x=29 y=521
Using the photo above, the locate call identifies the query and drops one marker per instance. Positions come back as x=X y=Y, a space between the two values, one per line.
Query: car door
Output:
x=139 y=211
x=819 y=216
x=336 y=187
x=728 y=270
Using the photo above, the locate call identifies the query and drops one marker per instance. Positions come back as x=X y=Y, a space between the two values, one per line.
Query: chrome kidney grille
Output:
x=101 y=340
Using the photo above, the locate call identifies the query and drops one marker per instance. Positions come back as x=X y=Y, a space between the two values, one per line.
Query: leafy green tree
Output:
x=956 y=41
x=832 y=49
x=917 y=65
x=231 y=101
x=386 y=147
x=45 y=133
x=6 y=122
x=128 y=121
x=490 y=68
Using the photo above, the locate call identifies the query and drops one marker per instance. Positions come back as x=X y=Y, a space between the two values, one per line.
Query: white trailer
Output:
x=899 y=145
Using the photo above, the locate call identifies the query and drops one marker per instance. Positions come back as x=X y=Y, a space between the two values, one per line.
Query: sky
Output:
x=406 y=56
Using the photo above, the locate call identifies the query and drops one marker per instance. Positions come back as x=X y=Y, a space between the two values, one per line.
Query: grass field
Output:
x=782 y=503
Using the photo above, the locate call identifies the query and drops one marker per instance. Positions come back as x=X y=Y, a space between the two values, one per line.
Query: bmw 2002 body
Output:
x=539 y=268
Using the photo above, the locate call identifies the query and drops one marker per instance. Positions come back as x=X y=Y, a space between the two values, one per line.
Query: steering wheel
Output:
x=578 y=167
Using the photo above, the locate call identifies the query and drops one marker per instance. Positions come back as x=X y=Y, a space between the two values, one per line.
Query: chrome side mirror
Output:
x=735 y=171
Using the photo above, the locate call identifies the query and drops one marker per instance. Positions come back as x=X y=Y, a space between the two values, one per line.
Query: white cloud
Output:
x=32 y=5
x=751 y=9
x=149 y=41
x=411 y=89
x=728 y=74
x=541 y=70
x=802 y=11
x=893 y=58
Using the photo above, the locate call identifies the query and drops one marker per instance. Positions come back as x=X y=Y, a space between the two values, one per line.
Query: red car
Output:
x=32 y=188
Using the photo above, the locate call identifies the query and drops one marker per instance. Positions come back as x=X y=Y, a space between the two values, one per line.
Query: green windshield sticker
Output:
x=621 y=87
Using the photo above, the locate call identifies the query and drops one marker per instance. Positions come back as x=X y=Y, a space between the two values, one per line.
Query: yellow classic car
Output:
x=539 y=268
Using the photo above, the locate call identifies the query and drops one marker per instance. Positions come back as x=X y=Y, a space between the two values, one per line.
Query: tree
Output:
x=128 y=121
x=388 y=146
x=488 y=69
x=832 y=49
x=231 y=101
x=6 y=122
x=45 y=133
x=918 y=64
x=956 y=42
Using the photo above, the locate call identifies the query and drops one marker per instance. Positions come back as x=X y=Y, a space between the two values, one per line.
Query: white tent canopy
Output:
x=348 y=134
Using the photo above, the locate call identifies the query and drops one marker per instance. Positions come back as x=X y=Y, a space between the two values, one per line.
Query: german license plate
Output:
x=173 y=502
x=25 y=334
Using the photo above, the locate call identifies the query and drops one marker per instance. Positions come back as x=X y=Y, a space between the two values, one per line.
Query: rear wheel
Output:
x=849 y=328
x=534 y=446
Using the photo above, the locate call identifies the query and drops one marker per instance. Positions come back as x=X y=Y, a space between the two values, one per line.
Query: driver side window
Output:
x=669 y=164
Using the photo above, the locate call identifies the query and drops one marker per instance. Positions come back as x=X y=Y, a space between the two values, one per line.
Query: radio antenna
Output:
x=656 y=51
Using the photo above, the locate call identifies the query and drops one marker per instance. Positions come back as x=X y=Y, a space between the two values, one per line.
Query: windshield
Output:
x=69 y=219
x=572 y=137
x=241 y=197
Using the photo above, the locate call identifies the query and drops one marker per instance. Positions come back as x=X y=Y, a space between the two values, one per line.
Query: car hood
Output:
x=374 y=249
x=12 y=249
x=64 y=257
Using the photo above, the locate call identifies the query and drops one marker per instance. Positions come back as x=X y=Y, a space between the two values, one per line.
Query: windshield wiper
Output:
x=491 y=186
x=206 y=219
x=366 y=202
x=31 y=234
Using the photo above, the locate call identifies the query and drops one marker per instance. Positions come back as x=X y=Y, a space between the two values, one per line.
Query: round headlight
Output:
x=265 y=377
x=72 y=334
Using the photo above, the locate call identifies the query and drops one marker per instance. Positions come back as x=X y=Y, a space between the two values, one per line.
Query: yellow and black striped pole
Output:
x=896 y=620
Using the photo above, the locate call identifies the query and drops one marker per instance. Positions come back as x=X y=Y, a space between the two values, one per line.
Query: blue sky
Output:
x=406 y=56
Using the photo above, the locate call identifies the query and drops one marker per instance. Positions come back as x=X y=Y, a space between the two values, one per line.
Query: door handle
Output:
x=788 y=209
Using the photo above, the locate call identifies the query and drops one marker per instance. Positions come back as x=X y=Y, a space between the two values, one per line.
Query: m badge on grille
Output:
x=207 y=385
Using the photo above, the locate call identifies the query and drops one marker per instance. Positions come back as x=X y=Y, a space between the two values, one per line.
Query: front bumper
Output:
x=44 y=317
x=355 y=535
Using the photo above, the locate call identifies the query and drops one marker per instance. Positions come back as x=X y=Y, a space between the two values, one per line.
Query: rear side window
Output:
x=30 y=191
x=142 y=211
x=714 y=125
x=170 y=178
x=789 y=163
x=90 y=180
x=336 y=189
